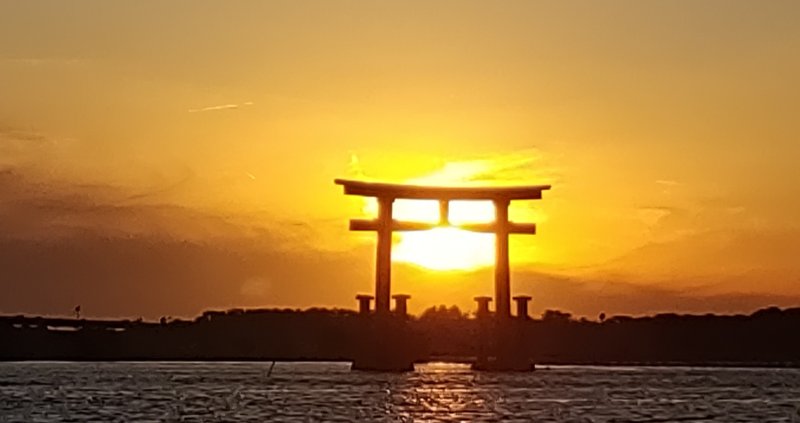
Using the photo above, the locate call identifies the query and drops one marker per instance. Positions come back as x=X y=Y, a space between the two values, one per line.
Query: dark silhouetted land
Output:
x=767 y=337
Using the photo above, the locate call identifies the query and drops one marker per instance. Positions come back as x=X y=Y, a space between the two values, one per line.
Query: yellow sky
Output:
x=182 y=153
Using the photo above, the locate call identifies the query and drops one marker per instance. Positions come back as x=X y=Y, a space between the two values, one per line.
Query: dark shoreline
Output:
x=764 y=339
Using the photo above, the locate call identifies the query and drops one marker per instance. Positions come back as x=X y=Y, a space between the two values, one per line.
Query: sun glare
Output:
x=445 y=248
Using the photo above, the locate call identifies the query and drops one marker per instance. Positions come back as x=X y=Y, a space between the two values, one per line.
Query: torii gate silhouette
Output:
x=384 y=224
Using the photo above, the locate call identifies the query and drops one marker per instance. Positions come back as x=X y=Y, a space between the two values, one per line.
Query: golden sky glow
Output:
x=183 y=153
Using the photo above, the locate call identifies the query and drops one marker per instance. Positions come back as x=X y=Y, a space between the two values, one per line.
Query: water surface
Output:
x=311 y=392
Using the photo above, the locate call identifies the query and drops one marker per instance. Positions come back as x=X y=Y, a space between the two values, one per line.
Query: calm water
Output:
x=196 y=392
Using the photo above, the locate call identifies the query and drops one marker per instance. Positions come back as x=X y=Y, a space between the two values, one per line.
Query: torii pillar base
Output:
x=502 y=347
x=386 y=345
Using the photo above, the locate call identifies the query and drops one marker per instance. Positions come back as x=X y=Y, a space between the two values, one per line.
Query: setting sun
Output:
x=448 y=247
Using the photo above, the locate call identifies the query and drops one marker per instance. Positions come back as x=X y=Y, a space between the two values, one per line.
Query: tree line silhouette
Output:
x=765 y=337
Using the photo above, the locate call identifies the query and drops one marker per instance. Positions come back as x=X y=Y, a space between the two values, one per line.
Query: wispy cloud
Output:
x=667 y=182
x=652 y=215
x=518 y=167
x=149 y=258
x=221 y=107
x=11 y=135
x=22 y=146
x=42 y=61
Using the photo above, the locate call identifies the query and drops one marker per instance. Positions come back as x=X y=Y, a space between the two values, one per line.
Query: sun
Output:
x=445 y=249
x=448 y=248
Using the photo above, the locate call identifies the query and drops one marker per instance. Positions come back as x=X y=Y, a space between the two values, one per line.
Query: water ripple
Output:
x=436 y=392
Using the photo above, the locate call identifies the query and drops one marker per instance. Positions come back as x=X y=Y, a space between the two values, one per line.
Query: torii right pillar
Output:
x=502 y=277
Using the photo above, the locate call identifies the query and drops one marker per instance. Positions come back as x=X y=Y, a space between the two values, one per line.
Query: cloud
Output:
x=591 y=295
x=43 y=61
x=17 y=143
x=31 y=149
x=652 y=215
x=8 y=135
x=63 y=244
x=586 y=294
x=152 y=276
x=667 y=182
x=522 y=166
x=256 y=287
x=120 y=251
x=716 y=262
x=220 y=107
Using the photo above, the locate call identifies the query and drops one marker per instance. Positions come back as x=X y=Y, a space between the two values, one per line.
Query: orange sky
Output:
x=164 y=158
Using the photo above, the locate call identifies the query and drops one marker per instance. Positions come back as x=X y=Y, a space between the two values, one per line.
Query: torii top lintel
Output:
x=418 y=192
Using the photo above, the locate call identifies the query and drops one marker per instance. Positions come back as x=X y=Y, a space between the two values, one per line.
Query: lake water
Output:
x=310 y=392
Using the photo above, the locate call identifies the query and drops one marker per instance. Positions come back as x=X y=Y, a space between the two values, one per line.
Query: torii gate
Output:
x=385 y=224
